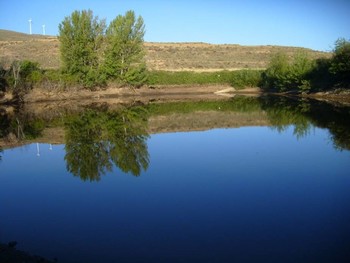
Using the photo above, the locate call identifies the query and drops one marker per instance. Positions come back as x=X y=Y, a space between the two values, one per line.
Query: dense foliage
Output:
x=81 y=38
x=20 y=77
x=96 y=55
x=124 y=54
x=301 y=74
x=340 y=63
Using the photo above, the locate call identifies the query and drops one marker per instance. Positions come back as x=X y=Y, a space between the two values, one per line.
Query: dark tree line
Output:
x=301 y=74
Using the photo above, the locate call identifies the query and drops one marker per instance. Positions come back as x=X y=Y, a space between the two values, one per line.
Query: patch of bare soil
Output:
x=336 y=97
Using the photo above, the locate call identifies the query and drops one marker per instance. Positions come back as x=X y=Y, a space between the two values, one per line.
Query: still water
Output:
x=271 y=185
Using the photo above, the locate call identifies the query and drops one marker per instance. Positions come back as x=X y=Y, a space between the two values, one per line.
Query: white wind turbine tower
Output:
x=37 y=149
x=44 y=33
x=30 y=26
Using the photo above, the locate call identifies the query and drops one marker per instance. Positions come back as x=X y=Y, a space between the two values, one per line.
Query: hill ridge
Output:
x=169 y=56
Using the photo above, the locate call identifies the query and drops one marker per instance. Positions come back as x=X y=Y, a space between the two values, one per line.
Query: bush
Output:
x=246 y=78
x=22 y=76
x=303 y=74
x=283 y=75
x=320 y=77
x=340 y=63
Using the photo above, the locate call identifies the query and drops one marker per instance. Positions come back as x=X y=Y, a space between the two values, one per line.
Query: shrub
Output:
x=340 y=63
x=246 y=78
x=283 y=75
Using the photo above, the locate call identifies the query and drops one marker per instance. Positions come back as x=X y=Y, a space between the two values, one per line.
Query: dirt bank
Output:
x=125 y=94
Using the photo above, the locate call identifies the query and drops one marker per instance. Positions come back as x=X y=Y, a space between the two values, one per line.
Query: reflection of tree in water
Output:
x=95 y=140
x=335 y=119
x=304 y=114
x=283 y=112
x=20 y=125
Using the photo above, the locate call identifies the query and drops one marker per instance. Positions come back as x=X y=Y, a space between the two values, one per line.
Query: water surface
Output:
x=271 y=186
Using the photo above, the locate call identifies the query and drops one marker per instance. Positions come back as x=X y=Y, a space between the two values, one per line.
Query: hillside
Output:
x=159 y=56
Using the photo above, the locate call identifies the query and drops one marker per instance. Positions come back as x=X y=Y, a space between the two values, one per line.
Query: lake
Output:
x=233 y=180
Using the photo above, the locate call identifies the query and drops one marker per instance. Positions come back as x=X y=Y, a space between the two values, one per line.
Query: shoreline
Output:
x=158 y=93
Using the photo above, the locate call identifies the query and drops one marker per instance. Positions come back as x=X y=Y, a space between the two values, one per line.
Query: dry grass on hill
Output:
x=159 y=56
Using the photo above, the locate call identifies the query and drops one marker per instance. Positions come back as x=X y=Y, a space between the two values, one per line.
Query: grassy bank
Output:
x=238 y=79
x=25 y=75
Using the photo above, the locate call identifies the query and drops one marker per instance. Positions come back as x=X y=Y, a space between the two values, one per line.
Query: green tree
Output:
x=81 y=37
x=124 y=54
x=283 y=74
x=340 y=63
x=301 y=68
x=320 y=77
x=276 y=75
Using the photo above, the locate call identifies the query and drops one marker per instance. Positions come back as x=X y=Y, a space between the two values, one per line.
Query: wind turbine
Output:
x=37 y=149
x=30 y=26
x=44 y=30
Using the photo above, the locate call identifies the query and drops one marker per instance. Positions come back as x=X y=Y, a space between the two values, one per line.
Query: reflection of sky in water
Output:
x=242 y=194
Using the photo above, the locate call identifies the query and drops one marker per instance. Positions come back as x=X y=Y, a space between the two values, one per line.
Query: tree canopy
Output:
x=124 y=55
x=93 y=54
x=340 y=64
x=81 y=38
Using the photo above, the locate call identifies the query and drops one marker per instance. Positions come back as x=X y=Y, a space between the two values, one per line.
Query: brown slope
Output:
x=159 y=56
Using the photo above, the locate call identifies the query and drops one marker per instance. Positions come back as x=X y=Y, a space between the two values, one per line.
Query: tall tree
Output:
x=124 y=53
x=81 y=37
x=340 y=63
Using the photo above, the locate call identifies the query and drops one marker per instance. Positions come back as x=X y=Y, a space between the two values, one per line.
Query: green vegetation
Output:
x=301 y=74
x=124 y=54
x=81 y=38
x=188 y=78
x=284 y=75
x=340 y=63
x=20 y=77
x=238 y=79
x=95 y=55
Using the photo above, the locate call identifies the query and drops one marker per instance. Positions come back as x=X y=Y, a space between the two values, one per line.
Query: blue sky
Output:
x=312 y=24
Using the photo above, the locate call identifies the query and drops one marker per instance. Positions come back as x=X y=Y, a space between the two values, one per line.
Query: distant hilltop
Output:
x=197 y=57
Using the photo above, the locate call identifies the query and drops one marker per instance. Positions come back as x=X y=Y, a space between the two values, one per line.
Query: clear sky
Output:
x=315 y=24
